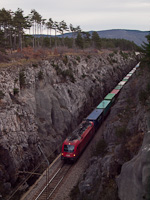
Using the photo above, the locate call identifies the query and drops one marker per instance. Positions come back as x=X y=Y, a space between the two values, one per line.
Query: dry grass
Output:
x=28 y=55
x=135 y=143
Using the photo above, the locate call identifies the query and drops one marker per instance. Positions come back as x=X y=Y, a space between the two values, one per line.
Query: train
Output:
x=75 y=144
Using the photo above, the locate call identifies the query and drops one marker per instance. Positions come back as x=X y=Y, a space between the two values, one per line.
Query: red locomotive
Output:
x=75 y=144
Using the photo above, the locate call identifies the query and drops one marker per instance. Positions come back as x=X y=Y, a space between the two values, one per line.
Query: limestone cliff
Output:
x=126 y=160
x=40 y=103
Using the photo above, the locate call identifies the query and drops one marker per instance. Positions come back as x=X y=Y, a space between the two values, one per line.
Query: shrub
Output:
x=78 y=58
x=120 y=131
x=68 y=73
x=110 y=191
x=15 y=91
x=65 y=59
x=143 y=95
x=100 y=148
x=83 y=75
x=22 y=79
x=69 y=64
x=1 y=94
x=111 y=54
x=124 y=55
x=88 y=56
x=74 y=192
x=35 y=65
x=40 y=75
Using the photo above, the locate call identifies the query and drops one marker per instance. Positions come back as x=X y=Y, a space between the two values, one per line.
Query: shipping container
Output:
x=133 y=70
x=115 y=91
x=126 y=77
x=125 y=80
x=106 y=105
x=129 y=75
x=122 y=83
x=96 y=116
x=118 y=87
x=110 y=96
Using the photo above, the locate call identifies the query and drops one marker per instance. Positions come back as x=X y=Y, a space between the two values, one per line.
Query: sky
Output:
x=90 y=15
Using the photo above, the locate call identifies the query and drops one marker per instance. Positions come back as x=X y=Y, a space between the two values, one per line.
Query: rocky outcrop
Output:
x=134 y=179
x=124 y=129
x=41 y=102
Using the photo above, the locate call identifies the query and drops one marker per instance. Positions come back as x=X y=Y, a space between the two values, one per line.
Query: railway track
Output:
x=53 y=183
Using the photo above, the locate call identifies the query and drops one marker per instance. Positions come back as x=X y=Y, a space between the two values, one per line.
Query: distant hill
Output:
x=138 y=37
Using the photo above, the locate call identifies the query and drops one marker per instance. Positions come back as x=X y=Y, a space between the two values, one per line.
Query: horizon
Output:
x=89 y=15
x=93 y=31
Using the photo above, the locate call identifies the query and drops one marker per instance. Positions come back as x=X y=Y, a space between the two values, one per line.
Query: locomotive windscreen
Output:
x=68 y=148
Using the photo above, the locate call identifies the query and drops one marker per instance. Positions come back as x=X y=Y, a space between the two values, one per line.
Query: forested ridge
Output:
x=18 y=31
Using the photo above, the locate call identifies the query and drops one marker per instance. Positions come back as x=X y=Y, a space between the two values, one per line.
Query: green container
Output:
x=126 y=77
x=109 y=96
x=118 y=87
x=125 y=80
x=106 y=105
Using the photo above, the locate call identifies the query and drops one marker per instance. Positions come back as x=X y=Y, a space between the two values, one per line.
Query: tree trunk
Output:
x=50 y=39
x=14 y=46
x=20 y=41
x=55 y=38
x=10 y=39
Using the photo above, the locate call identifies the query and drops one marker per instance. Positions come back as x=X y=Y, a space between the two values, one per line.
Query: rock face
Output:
x=124 y=129
x=42 y=102
x=134 y=180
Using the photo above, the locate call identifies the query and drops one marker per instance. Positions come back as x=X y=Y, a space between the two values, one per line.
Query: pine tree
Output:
x=50 y=26
x=146 y=49
x=20 y=22
x=5 y=27
x=79 y=41
x=96 y=40
x=62 y=27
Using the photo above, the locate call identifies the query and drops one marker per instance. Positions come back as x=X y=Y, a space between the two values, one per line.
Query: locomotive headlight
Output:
x=62 y=154
x=74 y=155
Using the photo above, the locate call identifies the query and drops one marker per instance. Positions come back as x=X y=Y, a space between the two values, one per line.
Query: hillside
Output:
x=138 y=37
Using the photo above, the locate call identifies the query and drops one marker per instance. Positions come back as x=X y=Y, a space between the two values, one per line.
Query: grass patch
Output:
x=109 y=191
x=100 y=149
x=120 y=131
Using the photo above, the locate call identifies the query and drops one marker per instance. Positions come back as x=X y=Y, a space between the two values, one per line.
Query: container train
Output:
x=74 y=145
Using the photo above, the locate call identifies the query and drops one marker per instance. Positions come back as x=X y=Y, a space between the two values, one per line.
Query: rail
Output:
x=48 y=191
